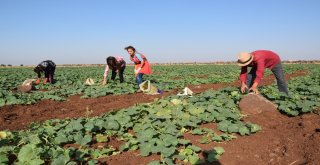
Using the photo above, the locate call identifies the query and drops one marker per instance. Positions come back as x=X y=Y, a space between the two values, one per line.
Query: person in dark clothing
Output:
x=116 y=64
x=48 y=67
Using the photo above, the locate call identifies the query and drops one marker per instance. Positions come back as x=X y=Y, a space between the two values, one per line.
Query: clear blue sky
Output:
x=87 y=31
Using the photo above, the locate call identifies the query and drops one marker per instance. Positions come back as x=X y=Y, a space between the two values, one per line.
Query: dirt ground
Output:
x=283 y=140
x=14 y=117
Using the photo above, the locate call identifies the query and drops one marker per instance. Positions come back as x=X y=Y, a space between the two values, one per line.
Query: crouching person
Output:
x=48 y=67
x=116 y=65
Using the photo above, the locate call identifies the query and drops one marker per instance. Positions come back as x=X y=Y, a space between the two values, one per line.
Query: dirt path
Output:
x=15 y=117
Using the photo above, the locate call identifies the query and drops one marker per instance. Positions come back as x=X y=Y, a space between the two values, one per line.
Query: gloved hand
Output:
x=37 y=81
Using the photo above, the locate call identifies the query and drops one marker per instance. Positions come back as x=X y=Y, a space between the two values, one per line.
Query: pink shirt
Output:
x=106 y=70
x=261 y=59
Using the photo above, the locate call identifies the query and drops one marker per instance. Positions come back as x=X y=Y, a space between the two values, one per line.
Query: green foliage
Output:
x=214 y=155
x=29 y=155
x=304 y=94
x=3 y=158
x=158 y=127
x=70 y=81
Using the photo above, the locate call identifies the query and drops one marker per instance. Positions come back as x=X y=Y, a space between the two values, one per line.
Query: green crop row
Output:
x=70 y=81
x=304 y=94
x=156 y=128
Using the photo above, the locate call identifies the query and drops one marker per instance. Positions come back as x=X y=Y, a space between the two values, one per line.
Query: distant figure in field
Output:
x=117 y=65
x=141 y=64
x=259 y=60
x=48 y=67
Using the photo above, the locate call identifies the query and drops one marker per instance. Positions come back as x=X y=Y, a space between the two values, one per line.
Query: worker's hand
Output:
x=254 y=88
x=104 y=82
x=45 y=80
x=136 y=71
x=37 y=81
x=244 y=87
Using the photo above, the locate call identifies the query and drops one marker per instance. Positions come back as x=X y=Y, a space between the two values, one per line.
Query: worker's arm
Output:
x=243 y=78
x=39 y=74
x=105 y=75
x=142 y=59
x=259 y=75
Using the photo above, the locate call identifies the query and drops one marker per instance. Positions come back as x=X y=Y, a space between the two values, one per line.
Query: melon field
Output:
x=71 y=123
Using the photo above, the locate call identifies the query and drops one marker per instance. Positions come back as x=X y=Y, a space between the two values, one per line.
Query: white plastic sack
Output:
x=185 y=92
x=89 y=81
x=147 y=88
x=28 y=82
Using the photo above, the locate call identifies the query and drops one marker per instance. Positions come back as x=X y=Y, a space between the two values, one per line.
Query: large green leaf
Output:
x=167 y=152
x=233 y=128
x=82 y=140
x=145 y=148
x=170 y=140
x=243 y=130
x=29 y=155
x=196 y=111
x=223 y=126
x=61 y=138
x=62 y=159
x=112 y=125
x=195 y=148
x=164 y=113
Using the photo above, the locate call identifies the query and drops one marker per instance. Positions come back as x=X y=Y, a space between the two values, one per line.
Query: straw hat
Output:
x=244 y=59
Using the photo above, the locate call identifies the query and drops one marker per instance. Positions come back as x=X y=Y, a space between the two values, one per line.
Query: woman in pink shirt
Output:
x=259 y=60
x=116 y=64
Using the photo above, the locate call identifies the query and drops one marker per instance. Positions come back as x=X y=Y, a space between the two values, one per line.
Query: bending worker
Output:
x=48 y=67
x=258 y=61
x=116 y=64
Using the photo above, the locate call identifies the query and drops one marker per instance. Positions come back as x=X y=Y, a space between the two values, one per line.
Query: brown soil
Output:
x=261 y=104
x=129 y=158
x=195 y=76
x=201 y=76
x=15 y=117
x=283 y=140
x=176 y=78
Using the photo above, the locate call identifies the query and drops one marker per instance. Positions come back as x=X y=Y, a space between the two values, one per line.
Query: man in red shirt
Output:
x=259 y=60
